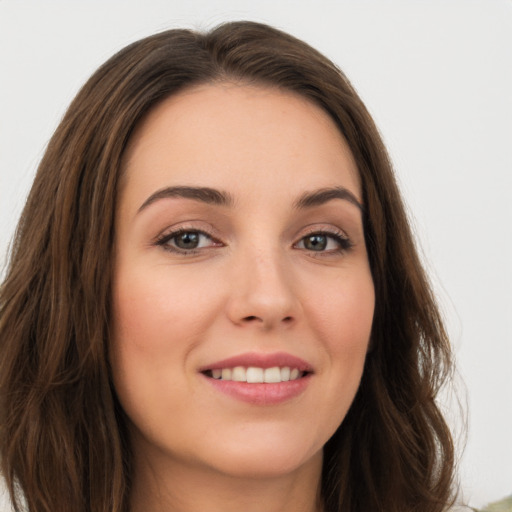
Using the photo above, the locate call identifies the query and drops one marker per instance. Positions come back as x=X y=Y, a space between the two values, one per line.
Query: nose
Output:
x=263 y=291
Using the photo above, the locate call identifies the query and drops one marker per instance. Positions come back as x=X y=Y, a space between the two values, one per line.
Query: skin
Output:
x=254 y=284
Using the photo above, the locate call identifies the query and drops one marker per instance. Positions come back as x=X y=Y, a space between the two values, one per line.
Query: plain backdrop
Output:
x=436 y=76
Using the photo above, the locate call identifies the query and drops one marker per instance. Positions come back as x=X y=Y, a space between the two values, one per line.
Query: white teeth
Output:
x=272 y=375
x=239 y=374
x=255 y=375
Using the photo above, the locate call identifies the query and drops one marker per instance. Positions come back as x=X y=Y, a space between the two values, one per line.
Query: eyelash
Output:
x=340 y=238
x=163 y=241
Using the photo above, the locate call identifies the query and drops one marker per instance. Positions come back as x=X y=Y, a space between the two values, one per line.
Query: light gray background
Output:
x=437 y=77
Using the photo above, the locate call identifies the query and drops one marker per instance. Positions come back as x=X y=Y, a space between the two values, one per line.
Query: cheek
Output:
x=158 y=318
x=342 y=317
x=158 y=307
x=342 y=313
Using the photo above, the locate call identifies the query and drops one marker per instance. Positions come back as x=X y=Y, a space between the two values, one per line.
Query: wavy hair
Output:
x=63 y=437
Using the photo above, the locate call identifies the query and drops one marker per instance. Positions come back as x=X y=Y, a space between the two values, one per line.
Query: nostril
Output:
x=251 y=318
x=266 y=322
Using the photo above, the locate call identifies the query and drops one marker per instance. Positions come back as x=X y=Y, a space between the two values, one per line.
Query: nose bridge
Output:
x=262 y=287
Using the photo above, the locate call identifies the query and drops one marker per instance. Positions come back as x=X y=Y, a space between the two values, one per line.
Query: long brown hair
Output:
x=63 y=441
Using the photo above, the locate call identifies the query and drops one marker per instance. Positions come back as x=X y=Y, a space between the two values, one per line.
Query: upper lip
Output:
x=261 y=360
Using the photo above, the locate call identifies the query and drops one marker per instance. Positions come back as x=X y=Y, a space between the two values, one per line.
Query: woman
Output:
x=214 y=300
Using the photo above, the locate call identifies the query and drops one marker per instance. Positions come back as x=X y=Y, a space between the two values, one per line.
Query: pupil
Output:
x=188 y=240
x=316 y=242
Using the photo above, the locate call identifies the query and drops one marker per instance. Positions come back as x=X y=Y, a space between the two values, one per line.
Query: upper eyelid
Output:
x=172 y=231
x=331 y=230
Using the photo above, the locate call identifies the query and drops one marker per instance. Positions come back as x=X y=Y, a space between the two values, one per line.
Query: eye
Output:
x=324 y=242
x=186 y=241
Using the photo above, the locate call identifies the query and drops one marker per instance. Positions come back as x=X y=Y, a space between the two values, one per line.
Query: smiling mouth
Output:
x=256 y=375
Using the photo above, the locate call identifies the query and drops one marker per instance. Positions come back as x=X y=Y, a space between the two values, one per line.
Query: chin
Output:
x=258 y=466
x=265 y=458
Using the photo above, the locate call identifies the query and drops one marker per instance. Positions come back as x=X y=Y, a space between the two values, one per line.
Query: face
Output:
x=243 y=299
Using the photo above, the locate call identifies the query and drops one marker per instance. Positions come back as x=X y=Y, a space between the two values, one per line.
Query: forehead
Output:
x=226 y=134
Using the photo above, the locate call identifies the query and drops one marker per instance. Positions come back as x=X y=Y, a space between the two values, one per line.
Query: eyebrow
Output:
x=213 y=196
x=204 y=194
x=324 y=195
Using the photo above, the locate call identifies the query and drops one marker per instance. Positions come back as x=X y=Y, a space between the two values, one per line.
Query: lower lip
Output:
x=261 y=394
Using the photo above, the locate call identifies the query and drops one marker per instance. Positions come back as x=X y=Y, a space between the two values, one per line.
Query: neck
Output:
x=160 y=485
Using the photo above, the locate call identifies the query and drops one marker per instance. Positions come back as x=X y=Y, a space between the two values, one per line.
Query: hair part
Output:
x=63 y=438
